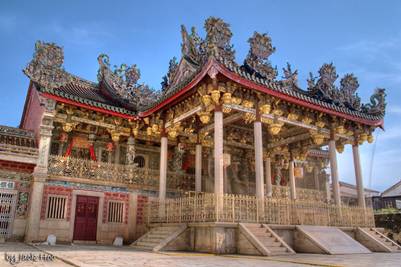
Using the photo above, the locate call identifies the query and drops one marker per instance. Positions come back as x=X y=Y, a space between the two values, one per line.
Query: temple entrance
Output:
x=85 y=225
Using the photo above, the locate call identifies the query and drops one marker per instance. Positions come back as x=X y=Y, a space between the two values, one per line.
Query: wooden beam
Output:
x=324 y=131
x=184 y=116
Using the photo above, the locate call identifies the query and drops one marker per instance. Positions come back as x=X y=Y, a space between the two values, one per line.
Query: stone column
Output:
x=268 y=175
x=257 y=129
x=334 y=171
x=117 y=153
x=316 y=177
x=218 y=152
x=218 y=160
x=163 y=168
x=40 y=171
x=358 y=176
x=198 y=168
x=293 y=192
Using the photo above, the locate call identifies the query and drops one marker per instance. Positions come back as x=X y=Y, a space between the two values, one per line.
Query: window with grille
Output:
x=116 y=212
x=56 y=207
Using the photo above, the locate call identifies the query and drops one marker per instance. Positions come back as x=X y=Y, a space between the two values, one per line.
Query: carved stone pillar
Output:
x=198 y=168
x=117 y=153
x=258 y=159
x=293 y=191
x=130 y=150
x=40 y=171
x=218 y=153
x=218 y=160
x=358 y=176
x=334 y=171
x=268 y=177
x=163 y=168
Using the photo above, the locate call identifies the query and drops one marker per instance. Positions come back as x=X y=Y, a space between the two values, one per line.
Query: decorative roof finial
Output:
x=218 y=38
x=257 y=59
x=46 y=66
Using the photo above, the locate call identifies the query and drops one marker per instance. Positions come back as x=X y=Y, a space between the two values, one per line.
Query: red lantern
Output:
x=109 y=146
x=63 y=137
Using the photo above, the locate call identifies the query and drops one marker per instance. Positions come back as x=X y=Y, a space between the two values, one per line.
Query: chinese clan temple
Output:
x=227 y=157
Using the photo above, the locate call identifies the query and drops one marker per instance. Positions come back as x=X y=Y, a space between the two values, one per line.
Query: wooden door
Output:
x=85 y=225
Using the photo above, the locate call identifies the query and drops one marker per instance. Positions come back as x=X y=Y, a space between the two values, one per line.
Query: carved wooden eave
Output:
x=213 y=65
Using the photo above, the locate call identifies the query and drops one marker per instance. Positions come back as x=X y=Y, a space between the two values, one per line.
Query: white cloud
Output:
x=396 y=110
x=86 y=34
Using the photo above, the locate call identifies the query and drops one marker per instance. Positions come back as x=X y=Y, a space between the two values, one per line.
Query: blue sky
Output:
x=363 y=37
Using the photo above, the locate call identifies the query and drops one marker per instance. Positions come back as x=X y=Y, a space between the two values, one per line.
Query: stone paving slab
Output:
x=99 y=256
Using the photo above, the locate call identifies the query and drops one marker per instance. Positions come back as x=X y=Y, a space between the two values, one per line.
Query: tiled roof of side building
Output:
x=88 y=93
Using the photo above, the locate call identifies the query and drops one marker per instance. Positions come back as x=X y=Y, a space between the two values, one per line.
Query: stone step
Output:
x=148 y=243
x=142 y=247
x=277 y=249
x=269 y=243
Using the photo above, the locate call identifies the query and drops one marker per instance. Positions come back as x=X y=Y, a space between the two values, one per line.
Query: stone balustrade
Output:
x=202 y=207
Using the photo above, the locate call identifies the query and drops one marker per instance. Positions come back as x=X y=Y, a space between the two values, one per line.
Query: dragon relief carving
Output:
x=46 y=66
x=257 y=59
x=290 y=77
x=377 y=105
x=345 y=96
x=172 y=71
x=347 y=93
x=124 y=83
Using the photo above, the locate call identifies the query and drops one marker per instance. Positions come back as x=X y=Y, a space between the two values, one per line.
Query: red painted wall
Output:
x=15 y=166
x=33 y=111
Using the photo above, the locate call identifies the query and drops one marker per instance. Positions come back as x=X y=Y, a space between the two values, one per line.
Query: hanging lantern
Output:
x=109 y=146
x=206 y=100
x=172 y=133
x=227 y=98
x=265 y=109
x=309 y=168
x=275 y=128
x=363 y=137
x=298 y=172
x=292 y=116
x=149 y=131
x=204 y=117
x=63 y=137
x=340 y=148
x=135 y=131
x=318 y=138
x=247 y=104
x=320 y=124
x=215 y=96
x=155 y=128
x=370 y=138
x=340 y=129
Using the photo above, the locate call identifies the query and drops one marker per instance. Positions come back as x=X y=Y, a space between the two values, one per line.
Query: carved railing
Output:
x=117 y=173
x=243 y=208
x=16 y=153
x=8 y=149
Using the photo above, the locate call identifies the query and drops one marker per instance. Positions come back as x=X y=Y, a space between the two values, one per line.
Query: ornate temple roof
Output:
x=118 y=90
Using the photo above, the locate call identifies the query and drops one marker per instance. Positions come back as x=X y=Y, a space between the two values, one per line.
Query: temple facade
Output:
x=219 y=145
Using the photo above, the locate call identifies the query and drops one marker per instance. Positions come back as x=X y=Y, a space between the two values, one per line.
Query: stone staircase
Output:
x=376 y=241
x=266 y=241
x=159 y=237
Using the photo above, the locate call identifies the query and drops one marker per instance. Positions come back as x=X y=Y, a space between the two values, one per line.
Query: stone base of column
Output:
x=35 y=204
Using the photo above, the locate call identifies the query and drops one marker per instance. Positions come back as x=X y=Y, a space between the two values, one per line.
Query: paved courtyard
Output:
x=96 y=255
